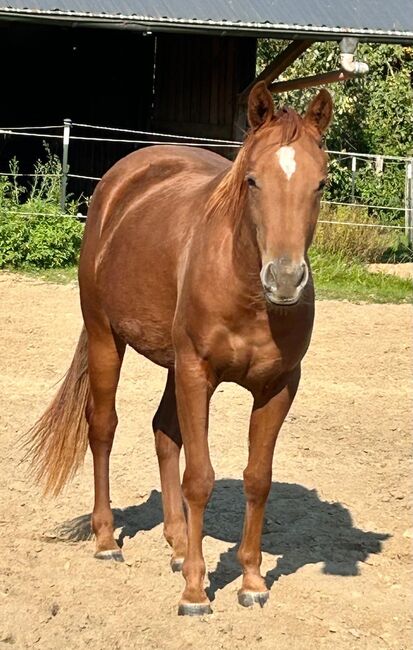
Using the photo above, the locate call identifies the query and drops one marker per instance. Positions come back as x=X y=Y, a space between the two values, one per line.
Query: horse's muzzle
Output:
x=283 y=280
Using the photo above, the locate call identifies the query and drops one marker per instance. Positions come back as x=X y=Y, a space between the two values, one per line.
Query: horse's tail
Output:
x=57 y=443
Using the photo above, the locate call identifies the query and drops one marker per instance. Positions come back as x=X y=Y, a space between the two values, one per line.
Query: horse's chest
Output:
x=253 y=355
x=255 y=359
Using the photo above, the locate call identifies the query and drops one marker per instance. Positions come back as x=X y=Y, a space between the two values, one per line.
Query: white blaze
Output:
x=286 y=158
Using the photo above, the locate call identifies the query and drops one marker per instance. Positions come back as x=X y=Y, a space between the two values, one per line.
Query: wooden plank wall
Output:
x=106 y=77
x=100 y=77
x=197 y=82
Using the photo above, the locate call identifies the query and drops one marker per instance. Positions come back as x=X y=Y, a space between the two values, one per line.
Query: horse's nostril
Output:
x=301 y=273
x=269 y=275
x=272 y=273
x=284 y=276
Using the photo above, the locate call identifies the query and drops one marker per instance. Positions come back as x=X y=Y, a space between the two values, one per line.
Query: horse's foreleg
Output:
x=168 y=443
x=105 y=359
x=267 y=416
x=193 y=393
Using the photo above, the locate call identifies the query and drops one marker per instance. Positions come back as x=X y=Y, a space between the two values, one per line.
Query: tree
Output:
x=373 y=114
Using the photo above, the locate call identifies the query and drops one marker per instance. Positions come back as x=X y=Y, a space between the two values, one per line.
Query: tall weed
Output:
x=363 y=243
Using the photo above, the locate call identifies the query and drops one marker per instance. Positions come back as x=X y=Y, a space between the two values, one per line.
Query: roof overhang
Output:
x=220 y=27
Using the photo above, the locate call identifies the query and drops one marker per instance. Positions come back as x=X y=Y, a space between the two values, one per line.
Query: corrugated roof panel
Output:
x=362 y=15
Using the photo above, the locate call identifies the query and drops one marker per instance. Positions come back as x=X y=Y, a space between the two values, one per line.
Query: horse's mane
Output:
x=229 y=195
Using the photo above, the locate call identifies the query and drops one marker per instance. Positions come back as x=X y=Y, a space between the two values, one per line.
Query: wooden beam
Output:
x=279 y=64
x=309 y=82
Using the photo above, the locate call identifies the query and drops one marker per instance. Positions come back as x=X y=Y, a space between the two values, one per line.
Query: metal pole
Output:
x=65 y=167
x=408 y=215
x=353 y=177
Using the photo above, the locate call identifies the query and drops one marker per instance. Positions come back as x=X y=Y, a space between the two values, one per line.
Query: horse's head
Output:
x=285 y=171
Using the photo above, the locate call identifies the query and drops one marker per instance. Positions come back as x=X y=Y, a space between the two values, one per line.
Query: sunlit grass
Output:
x=336 y=277
x=55 y=276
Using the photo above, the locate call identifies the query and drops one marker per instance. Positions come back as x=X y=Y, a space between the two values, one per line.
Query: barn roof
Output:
x=371 y=20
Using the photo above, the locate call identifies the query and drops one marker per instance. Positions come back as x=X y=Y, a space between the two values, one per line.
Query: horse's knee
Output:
x=197 y=485
x=102 y=426
x=257 y=486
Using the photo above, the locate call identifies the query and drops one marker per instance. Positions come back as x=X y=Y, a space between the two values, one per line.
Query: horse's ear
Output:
x=320 y=112
x=260 y=105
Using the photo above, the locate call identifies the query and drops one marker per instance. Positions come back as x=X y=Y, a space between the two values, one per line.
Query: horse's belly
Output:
x=136 y=281
x=140 y=308
x=152 y=340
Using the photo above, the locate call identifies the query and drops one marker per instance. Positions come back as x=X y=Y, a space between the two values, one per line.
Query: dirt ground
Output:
x=337 y=535
x=404 y=270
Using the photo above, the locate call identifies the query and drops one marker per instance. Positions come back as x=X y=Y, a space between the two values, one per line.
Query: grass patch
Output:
x=335 y=278
x=54 y=276
x=341 y=279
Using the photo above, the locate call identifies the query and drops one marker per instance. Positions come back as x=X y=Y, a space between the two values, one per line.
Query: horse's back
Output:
x=150 y=178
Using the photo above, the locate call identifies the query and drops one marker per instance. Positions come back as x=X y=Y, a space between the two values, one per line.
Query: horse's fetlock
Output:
x=249 y=558
x=174 y=532
x=194 y=571
x=100 y=523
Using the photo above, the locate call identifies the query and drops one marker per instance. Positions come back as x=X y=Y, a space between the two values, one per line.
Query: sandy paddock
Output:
x=337 y=535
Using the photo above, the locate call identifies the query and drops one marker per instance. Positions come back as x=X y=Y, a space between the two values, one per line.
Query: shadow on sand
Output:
x=298 y=526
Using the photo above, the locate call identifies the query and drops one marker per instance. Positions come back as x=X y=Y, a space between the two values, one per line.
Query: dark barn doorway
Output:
x=184 y=84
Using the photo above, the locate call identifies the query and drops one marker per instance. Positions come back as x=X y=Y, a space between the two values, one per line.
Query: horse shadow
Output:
x=299 y=528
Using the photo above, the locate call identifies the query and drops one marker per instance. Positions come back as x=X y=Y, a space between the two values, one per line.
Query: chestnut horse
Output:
x=200 y=265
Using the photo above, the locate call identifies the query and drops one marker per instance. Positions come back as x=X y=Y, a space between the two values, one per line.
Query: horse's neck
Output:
x=245 y=247
x=241 y=259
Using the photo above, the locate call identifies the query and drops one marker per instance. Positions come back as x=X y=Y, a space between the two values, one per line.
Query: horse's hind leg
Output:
x=168 y=443
x=105 y=355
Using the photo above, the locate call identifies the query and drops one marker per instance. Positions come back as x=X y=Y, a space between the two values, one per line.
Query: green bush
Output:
x=373 y=188
x=34 y=233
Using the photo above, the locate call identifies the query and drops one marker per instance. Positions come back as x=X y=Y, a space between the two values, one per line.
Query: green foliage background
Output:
x=33 y=231
x=373 y=114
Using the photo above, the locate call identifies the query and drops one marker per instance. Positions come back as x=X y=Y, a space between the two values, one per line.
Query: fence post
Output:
x=65 y=167
x=408 y=214
x=353 y=177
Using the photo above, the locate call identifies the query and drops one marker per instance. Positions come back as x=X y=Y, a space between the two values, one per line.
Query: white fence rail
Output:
x=150 y=138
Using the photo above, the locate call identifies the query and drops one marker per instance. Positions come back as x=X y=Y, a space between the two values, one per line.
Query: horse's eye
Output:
x=251 y=181
x=321 y=185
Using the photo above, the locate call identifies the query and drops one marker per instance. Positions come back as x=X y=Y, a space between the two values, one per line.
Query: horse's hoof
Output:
x=114 y=554
x=194 y=609
x=176 y=564
x=248 y=598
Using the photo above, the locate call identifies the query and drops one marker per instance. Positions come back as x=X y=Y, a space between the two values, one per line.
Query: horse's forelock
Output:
x=289 y=125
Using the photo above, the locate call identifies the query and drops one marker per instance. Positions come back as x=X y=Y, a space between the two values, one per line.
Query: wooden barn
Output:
x=175 y=66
